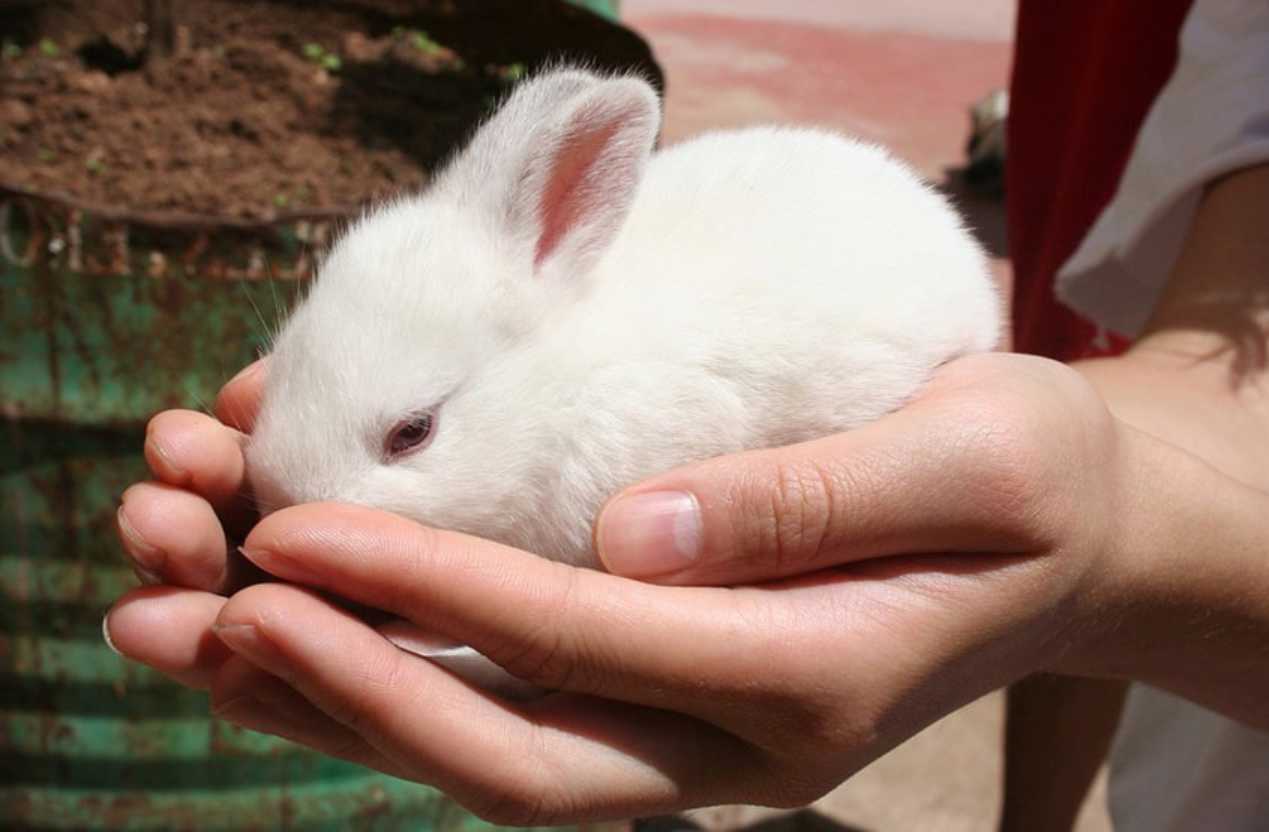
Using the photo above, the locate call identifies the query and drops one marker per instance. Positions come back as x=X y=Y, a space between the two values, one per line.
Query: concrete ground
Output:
x=901 y=73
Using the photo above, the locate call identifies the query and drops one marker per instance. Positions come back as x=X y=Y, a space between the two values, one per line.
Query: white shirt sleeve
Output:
x=1211 y=118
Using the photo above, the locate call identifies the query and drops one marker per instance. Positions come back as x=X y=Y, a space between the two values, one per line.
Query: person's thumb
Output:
x=898 y=486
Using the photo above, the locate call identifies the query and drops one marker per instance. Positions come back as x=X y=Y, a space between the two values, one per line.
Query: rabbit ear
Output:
x=582 y=173
x=502 y=137
x=555 y=169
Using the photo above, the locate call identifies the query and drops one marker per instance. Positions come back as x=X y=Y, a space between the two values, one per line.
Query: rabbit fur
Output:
x=577 y=313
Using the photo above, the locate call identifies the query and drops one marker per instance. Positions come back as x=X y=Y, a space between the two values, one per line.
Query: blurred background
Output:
x=169 y=170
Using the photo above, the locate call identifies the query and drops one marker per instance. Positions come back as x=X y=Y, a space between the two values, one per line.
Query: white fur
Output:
x=743 y=289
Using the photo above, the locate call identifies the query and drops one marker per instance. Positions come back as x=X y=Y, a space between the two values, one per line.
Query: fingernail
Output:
x=105 y=634
x=245 y=639
x=257 y=715
x=147 y=559
x=281 y=567
x=246 y=372
x=145 y=576
x=650 y=534
x=245 y=711
x=159 y=458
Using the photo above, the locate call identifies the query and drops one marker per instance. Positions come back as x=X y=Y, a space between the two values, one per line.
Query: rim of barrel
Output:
x=176 y=220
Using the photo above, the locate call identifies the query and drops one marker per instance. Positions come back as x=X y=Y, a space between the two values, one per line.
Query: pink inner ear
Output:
x=566 y=194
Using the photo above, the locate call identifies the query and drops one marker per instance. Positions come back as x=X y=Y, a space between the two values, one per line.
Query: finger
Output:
x=249 y=697
x=552 y=625
x=931 y=478
x=173 y=536
x=239 y=400
x=192 y=450
x=170 y=630
x=571 y=759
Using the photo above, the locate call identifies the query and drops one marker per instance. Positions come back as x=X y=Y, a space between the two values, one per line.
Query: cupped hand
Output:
x=896 y=572
x=181 y=529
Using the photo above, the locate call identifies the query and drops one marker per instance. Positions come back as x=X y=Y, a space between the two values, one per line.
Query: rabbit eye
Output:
x=409 y=435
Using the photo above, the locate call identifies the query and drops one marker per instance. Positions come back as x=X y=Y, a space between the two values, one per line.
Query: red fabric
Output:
x=1084 y=78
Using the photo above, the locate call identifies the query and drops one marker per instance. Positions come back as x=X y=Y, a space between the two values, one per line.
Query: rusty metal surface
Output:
x=101 y=324
x=107 y=322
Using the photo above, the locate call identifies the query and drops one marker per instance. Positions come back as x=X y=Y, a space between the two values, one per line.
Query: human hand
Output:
x=949 y=548
x=182 y=528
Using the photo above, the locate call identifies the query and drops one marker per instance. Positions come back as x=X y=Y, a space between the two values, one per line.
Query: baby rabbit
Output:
x=563 y=313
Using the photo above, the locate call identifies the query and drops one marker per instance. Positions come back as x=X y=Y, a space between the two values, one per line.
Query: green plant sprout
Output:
x=420 y=41
x=318 y=55
x=50 y=48
x=10 y=50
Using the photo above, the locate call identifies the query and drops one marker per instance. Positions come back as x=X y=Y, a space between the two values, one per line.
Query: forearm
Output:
x=1190 y=608
x=1195 y=391
x=1195 y=561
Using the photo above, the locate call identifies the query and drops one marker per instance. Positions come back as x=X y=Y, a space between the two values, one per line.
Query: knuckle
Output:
x=789 y=515
x=1011 y=467
x=548 y=655
x=539 y=660
x=386 y=670
x=419 y=570
x=518 y=799
x=531 y=789
x=353 y=707
x=1035 y=446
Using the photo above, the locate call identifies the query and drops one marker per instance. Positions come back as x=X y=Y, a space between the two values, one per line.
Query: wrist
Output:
x=1180 y=598
x=1180 y=388
x=1113 y=601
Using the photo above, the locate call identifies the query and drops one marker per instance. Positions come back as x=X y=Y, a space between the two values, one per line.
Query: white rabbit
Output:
x=563 y=313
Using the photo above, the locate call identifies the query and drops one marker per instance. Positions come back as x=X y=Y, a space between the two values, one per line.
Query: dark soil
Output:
x=270 y=108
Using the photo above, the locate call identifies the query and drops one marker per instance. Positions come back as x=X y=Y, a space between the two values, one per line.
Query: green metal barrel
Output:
x=603 y=8
x=103 y=323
